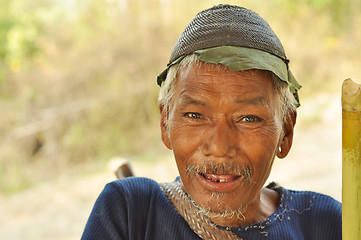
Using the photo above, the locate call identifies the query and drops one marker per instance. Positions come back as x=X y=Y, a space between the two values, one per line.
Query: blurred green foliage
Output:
x=78 y=78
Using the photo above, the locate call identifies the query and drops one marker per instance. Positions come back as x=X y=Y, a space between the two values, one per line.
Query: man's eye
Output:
x=193 y=115
x=250 y=119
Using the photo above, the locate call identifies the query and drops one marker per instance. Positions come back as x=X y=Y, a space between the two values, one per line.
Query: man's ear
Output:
x=163 y=126
x=287 y=139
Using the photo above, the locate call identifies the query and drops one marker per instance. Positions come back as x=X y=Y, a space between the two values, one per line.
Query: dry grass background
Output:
x=77 y=88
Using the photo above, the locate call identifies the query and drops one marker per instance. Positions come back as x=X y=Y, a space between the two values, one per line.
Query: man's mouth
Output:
x=224 y=177
x=219 y=178
x=220 y=182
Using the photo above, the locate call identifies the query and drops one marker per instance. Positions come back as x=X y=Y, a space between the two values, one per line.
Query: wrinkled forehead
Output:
x=199 y=72
x=218 y=80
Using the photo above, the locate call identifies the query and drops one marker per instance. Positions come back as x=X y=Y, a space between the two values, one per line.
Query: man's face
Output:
x=224 y=128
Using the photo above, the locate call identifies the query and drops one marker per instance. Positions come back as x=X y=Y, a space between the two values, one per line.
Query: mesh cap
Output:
x=228 y=25
x=222 y=26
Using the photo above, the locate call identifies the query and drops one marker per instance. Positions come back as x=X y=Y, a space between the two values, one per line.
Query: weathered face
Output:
x=224 y=128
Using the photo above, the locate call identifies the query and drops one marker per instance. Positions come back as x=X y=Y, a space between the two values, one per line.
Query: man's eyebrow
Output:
x=252 y=101
x=187 y=100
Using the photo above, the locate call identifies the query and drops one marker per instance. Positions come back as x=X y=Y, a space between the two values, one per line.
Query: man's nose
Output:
x=220 y=140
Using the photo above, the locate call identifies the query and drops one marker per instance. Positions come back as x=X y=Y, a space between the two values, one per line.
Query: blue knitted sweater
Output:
x=136 y=208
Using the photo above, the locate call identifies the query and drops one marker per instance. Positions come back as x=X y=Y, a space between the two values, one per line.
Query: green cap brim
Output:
x=241 y=59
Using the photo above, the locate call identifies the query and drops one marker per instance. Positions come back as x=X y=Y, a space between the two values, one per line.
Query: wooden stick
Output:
x=124 y=171
x=351 y=160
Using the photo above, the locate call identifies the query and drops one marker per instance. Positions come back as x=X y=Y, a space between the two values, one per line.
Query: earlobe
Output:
x=164 y=127
x=288 y=128
x=281 y=153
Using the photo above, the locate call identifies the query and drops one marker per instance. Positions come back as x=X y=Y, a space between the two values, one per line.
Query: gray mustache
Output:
x=227 y=168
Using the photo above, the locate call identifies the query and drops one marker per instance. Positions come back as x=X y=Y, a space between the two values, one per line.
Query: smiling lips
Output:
x=220 y=183
x=219 y=178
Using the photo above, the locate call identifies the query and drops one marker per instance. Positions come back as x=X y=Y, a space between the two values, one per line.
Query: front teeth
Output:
x=214 y=180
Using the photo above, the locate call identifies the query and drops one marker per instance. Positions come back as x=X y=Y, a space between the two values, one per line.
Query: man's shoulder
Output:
x=313 y=200
x=133 y=193
x=318 y=215
x=134 y=182
x=306 y=215
x=134 y=187
x=303 y=201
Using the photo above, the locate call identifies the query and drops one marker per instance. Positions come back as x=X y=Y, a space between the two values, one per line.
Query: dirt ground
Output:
x=59 y=209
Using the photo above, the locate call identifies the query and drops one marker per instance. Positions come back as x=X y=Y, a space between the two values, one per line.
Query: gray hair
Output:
x=285 y=98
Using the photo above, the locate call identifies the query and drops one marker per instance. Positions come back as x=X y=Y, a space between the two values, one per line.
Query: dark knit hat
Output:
x=228 y=25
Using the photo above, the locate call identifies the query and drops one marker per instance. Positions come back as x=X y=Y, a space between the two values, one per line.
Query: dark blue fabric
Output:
x=136 y=208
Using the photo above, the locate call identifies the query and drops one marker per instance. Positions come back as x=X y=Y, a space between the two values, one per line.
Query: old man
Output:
x=228 y=107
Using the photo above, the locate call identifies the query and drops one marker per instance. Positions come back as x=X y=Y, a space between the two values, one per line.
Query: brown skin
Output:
x=220 y=116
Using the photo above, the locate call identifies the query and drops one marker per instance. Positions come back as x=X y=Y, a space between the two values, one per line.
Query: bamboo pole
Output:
x=351 y=160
